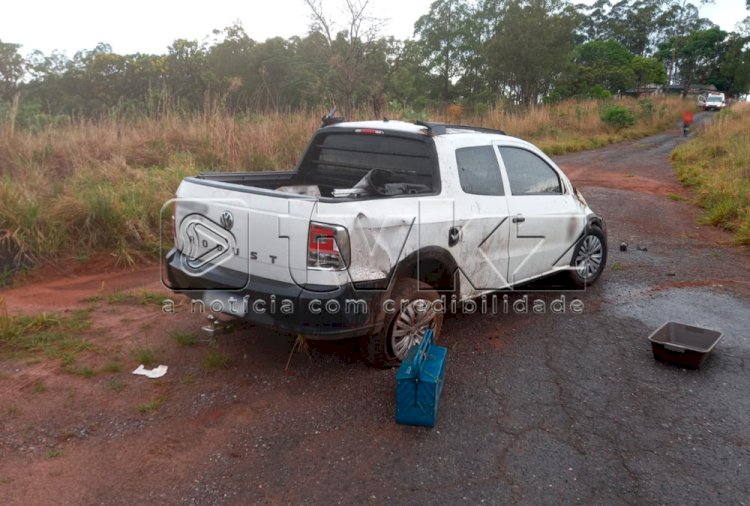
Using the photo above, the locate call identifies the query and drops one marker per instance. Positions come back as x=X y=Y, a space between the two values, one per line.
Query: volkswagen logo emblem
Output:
x=227 y=220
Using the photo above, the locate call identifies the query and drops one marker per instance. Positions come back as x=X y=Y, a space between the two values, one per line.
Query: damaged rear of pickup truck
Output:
x=377 y=224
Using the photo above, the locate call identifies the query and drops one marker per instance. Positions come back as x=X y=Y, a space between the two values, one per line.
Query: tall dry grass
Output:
x=94 y=186
x=575 y=126
x=716 y=165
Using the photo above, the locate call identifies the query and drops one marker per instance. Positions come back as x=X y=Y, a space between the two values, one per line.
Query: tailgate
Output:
x=261 y=234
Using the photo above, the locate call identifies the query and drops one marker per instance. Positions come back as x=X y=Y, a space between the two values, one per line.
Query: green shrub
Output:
x=714 y=164
x=599 y=92
x=617 y=117
x=647 y=107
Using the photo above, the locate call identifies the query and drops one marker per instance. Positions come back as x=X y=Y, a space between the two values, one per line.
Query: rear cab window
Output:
x=389 y=164
x=478 y=171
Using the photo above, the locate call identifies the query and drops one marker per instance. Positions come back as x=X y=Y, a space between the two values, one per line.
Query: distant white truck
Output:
x=715 y=101
x=377 y=224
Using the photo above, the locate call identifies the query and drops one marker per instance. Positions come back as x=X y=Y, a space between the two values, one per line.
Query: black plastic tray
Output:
x=684 y=345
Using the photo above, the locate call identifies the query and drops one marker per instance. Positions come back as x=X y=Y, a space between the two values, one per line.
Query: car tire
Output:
x=405 y=326
x=589 y=258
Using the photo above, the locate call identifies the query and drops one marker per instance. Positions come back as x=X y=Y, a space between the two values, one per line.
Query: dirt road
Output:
x=537 y=409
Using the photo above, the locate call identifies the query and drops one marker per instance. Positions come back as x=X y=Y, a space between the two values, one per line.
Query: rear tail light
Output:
x=327 y=247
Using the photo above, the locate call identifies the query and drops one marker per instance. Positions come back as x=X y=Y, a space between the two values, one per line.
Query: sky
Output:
x=149 y=26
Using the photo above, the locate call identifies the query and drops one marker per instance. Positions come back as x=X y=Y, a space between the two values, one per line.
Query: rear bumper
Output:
x=321 y=312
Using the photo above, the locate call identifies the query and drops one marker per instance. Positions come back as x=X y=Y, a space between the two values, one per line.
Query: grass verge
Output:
x=185 y=338
x=153 y=405
x=53 y=335
x=149 y=357
x=715 y=165
x=215 y=360
x=142 y=297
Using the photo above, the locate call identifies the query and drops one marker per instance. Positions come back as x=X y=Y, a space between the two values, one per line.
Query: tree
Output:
x=637 y=24
x=682 y=19
x=230 y=68
x=529 y=50
x=445 y=37
x=732 y=74
x=642 y=26
x=604 y=63
x=473 y=51
x=648 y=71
x=409 y=81
x=695 y=55
x=185 y=65
x=11 y=70
x=356 y=54
x=602 y=68
x=313 y=73
x=274 y=71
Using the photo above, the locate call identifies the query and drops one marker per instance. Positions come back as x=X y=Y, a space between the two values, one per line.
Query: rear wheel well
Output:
x=434 y=273
x=437 y=269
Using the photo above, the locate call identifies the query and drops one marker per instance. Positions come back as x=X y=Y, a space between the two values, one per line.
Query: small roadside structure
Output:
x=694 y=89
x=647 y=90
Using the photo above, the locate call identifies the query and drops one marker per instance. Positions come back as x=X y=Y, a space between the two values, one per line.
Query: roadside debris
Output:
x=623 y=246
x=156 y=372
x=684 y=345
x=641 y=247
x=216 y=326
x=419 y=383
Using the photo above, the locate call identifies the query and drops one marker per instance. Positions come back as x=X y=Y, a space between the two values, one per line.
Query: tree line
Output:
x=472 y=52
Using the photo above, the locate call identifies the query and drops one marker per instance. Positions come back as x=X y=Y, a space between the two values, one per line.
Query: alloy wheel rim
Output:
x=589 y=258
x=410 y=326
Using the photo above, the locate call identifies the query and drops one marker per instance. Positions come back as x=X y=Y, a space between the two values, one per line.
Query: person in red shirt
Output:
x=687 y=120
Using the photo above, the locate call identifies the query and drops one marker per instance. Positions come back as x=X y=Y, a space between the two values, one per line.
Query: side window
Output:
x=528 y=174
x=479 y=171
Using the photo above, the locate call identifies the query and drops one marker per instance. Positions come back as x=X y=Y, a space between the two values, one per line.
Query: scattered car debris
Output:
x=216 y=326
x=156 y=372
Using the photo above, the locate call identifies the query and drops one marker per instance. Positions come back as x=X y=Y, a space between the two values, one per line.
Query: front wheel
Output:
x=589 y=258
x=414 y=312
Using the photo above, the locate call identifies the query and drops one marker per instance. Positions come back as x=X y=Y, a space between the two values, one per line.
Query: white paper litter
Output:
x=156 y=372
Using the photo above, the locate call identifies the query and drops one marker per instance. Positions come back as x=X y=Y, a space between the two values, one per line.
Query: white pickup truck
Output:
x=381 y=228
x=714 y=101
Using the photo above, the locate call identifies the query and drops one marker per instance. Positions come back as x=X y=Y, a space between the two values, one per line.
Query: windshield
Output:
x=715 y=99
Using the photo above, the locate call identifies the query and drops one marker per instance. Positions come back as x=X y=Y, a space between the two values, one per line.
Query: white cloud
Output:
x=151 y=25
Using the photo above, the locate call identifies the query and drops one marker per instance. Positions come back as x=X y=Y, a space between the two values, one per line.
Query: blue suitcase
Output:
x=419 y=383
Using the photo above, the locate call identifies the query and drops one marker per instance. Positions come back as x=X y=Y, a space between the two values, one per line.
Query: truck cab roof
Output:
x=418 y=128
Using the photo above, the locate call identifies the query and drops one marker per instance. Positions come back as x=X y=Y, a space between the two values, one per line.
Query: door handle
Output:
x=518 y=219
